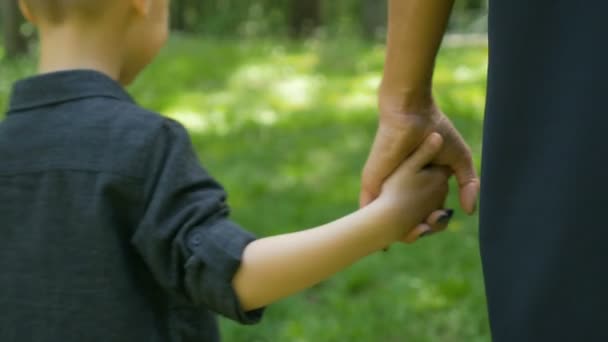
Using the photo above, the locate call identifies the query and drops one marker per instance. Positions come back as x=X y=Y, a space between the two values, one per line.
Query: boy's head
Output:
x=134 y=30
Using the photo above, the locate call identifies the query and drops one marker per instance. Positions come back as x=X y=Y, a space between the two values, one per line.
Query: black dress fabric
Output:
x=544 y=231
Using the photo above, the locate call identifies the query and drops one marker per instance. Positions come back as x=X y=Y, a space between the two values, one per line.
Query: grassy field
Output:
x=286 y=128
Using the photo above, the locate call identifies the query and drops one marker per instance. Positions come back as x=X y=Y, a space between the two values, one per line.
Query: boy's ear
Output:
x=142 y=7
x=27 y=13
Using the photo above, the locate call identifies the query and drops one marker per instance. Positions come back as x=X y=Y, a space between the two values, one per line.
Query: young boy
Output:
x=111 y=231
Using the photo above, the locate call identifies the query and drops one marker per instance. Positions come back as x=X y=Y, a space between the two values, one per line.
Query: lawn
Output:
x=286 y=128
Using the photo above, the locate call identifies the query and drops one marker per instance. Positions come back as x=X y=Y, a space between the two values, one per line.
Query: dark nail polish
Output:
x=445 y=218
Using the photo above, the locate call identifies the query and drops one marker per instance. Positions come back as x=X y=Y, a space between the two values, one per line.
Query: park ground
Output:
x=286 y=127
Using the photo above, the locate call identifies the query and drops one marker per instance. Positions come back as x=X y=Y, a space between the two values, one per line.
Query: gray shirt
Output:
x=111 y=230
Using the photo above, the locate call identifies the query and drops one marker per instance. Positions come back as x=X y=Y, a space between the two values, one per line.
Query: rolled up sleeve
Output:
x=185 y=235
x=216 y=256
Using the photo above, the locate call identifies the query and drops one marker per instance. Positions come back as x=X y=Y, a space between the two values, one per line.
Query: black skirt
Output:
x=544 y=201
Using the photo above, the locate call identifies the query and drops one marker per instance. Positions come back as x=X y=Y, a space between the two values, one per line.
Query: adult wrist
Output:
x=407 y=100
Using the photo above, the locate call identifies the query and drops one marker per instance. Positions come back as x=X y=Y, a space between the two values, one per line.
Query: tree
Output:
x=178 y=15
x=14 y=41
x=305 y=16
x=374 y=17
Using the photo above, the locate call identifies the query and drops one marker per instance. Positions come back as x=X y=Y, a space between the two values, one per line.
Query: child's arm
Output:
x=275 y=267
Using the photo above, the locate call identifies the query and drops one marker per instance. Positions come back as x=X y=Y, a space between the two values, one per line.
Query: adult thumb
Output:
x=468 y=184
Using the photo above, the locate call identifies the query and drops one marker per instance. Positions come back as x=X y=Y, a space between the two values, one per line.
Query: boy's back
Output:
x=102 y=205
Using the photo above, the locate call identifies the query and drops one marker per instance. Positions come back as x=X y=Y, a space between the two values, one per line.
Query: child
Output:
x=111 y=231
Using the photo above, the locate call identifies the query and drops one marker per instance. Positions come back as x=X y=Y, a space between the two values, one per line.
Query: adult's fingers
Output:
x=392 y=145
x=425 y=154
x=457 y=155
x=468 y=183
x=445 y=171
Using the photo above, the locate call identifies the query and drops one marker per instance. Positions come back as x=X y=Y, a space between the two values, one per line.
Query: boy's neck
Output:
x=68 y=48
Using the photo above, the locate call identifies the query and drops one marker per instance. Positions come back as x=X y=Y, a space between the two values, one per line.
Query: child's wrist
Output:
x=387 y=229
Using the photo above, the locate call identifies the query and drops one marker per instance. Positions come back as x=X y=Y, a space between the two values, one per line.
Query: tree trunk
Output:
x=14 y=42
x=374 y=17
x=305 y=17
x=178 y=15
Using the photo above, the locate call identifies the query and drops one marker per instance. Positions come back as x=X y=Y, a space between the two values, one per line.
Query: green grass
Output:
x=286 y=127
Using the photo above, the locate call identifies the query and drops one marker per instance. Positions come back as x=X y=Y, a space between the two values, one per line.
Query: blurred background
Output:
x=280 y=99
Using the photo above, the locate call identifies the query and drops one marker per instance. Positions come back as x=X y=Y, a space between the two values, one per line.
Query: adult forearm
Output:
x=416 y=28
x=275 y=267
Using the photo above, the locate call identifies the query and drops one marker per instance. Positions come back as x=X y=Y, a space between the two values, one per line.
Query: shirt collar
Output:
x=63 y=86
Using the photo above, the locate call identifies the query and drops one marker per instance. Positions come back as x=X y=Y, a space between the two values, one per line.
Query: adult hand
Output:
x=400 y=132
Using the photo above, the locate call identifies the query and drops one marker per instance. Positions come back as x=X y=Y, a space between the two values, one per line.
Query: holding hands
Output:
x=413 y=192
x=408 y=113
x=400 y=132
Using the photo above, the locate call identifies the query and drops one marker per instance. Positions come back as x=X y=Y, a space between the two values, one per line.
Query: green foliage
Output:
x=9 y=72
x=261 y=18
x=286 y=127
x=271 y=18
x=232 y=17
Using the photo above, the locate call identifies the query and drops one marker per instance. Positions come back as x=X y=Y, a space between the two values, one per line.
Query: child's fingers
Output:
x=437 y=222
x=415 y=233
x=426 y=152
x=443 y=171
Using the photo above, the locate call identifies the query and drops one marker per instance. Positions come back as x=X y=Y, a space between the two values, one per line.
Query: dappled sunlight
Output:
x=200 y=113
x=460 y=82
x=464 y=73
x=372 y=81
x=282 y=85
x=265 y=84
x=356 y=101
x=475 y=99
x=304 y=61
x=196 y=122
x=464 y=105
x=218 y=122
x=266 y=117
x=461 y=66
x=297 y=92
x=256 y=75
x=362 y=94
x=221 y=112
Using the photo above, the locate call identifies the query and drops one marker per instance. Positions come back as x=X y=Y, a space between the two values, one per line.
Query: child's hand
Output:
x=414 y=191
